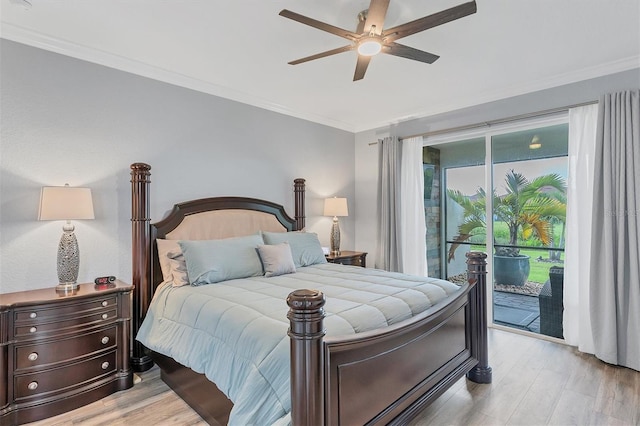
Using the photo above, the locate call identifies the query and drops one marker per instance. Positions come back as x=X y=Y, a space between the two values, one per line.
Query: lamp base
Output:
x=65 y=288
x=68 y=258
x=335 y=237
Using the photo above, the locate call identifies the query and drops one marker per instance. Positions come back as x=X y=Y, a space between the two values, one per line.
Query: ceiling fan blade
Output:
x=430 y=21
x=319 y=25
x=375 y=16
x=361 y=67
x=322 y=54
x=403 y=51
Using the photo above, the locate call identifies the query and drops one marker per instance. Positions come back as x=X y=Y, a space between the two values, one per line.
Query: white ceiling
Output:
x=239 y=50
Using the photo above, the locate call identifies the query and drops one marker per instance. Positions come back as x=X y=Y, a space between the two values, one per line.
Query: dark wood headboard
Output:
x=146 y=273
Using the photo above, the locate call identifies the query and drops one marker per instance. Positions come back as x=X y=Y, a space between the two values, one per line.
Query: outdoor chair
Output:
x=551 y=306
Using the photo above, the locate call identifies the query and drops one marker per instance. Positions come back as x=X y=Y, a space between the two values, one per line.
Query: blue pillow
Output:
x=212 y=261
x=305 y=246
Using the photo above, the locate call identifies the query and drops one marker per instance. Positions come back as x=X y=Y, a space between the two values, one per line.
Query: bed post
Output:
x=142 y=291
x=477 y=271
x=306 y=315
x=298 y=189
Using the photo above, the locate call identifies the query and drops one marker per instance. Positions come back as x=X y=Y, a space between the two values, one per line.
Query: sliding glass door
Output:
x=520 y=221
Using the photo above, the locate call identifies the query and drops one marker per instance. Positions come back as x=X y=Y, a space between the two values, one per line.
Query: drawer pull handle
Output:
x=105 y=365
x=33 y=356
x=33 y=315
x=105 y=316
x=105 y=340
x=105 y=303
x=32 y=386
x=33 y=330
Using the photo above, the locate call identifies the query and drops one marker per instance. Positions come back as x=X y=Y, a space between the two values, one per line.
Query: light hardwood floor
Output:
x=535 y=382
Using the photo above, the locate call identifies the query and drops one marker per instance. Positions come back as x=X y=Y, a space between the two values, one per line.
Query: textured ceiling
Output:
x=240 y=49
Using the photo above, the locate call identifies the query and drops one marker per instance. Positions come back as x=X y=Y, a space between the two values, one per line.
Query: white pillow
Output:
x=172 y=263
x=276 y=259
x=164 y=247
x=179 y=275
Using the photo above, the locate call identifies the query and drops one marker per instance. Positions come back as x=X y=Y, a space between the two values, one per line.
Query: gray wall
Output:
x=367 y=155
x=70 y=121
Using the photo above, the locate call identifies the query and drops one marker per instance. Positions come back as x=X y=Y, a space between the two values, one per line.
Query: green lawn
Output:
x=539 y=272
x=539 y=269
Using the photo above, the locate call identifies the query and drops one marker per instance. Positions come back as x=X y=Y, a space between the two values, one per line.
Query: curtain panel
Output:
x=582 y=146
x=401 y=227
x=615 y=244
x=389 y=256
x=413 y=231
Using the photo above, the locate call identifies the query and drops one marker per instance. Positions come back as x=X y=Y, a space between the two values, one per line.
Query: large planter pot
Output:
x=511 y=270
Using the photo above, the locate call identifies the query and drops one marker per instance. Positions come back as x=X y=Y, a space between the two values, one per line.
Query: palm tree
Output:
x=527 y=205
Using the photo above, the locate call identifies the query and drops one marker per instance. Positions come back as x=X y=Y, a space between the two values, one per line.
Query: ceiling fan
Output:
x=370 y=37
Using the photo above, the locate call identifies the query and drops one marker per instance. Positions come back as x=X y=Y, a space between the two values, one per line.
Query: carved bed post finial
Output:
x=306 y=315
x=142 y=291
x=477 y=271
x=299 y=188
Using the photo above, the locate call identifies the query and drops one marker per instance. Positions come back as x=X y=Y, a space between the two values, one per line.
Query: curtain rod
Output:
x=498 y=121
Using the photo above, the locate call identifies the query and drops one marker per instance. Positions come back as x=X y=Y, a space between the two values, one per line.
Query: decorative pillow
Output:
x=305 y=246
x=276 y=259
x=212 y=261
x=179 y=276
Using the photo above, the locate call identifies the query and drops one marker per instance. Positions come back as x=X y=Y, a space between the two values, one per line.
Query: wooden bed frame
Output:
x=384 y=376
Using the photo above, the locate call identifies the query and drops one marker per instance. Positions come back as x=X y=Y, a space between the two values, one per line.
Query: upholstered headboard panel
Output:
x=217 y=224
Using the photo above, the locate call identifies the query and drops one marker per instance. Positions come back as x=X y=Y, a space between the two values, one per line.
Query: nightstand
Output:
x=61 y=351
x=355 y=258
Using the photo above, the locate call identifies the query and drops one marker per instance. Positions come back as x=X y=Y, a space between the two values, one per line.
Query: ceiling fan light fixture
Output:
x=535 y=142
x=369 y=46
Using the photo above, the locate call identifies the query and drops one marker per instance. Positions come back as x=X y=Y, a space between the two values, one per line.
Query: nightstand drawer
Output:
x=42 y=354
x=36 y=384
x=354 y=258
x=45 y=313
x=42 y=329
x=355 y=261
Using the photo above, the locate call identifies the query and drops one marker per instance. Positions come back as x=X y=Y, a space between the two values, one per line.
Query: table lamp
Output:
x=335 y=207
x=66 y=203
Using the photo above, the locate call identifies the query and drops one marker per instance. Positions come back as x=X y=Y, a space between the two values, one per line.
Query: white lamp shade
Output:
x=65 y=203
x=336 y=207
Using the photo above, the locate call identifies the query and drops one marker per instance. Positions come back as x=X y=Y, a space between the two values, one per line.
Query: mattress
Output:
x=235 y=332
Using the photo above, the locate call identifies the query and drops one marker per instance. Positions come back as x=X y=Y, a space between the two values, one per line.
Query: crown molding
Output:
x=600 y=70
x=74 y=50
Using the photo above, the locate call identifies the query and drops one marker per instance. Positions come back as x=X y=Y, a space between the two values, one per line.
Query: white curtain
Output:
x=582 y=146
x=412 y=226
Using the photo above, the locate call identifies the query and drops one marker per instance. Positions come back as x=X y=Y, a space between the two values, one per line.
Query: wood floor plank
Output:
x=618 y=394
x=535 y=382
x=541 y=399
x=573 y=408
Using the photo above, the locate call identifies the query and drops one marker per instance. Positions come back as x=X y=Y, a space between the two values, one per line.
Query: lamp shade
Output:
x=65 y=203
x=336 y=207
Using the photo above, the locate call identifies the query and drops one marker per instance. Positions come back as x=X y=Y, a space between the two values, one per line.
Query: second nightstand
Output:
x=355 y=258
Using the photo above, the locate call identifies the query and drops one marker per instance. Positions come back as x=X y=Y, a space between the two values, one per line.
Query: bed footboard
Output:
x=386 y=377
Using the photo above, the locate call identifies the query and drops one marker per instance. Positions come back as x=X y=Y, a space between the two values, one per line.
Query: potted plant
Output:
x=527 y=208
